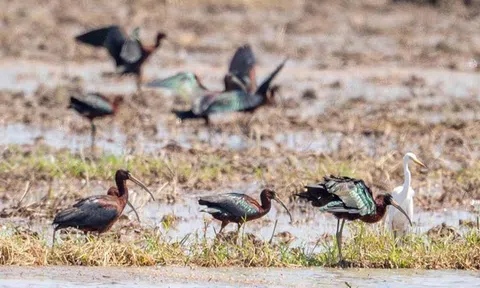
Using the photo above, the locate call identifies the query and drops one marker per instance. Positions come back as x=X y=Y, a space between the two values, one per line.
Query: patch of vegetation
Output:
x=367 y=248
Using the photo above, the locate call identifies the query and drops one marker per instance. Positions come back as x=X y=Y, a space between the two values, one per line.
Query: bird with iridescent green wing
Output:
x=348 y=199
x=239 y=208
x=189 y=87
x=232 y=101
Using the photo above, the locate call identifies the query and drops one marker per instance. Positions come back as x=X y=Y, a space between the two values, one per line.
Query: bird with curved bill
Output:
x=239 y=208
x=99 y=213
x=348 y=199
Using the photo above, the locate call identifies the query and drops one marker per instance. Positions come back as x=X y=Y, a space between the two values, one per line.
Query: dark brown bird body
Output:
x=98 y=213
x=238 y=208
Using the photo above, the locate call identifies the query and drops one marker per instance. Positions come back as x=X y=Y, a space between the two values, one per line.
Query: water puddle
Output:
x=185 y=277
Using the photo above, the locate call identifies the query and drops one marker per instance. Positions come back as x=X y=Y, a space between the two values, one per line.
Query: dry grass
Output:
x=367 y=248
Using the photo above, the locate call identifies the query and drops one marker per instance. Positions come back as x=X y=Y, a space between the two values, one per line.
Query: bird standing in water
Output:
x=98 y=213
x=94 y=105
x=348 y=199
x=239 y=208
x=128 y=51
x=404 y=196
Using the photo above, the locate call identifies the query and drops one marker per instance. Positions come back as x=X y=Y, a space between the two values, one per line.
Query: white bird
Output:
x=404 y=196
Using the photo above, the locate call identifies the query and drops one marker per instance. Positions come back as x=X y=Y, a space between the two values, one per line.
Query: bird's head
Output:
x=118 y=100
x=414 y=158
x=271 y=92
x=122 y=175
x=160 y=37
x=271 y=195
x=388 y=200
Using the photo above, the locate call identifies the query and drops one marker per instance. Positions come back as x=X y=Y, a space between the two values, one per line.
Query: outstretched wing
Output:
x=341 y=194
x=230 y=101
x=111 y=37
x=242 y=66
x=233 y=204
x=184 y=84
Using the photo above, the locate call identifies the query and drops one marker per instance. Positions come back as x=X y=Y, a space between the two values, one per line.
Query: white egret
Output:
x=404 y=196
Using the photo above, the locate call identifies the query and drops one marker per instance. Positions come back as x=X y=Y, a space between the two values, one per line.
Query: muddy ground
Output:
x=365 y=83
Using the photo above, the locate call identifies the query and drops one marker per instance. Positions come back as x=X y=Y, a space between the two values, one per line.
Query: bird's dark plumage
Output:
x=89 y=214
x=242 y=66
x=128 y=52
x=231 y=101
x=341 y=195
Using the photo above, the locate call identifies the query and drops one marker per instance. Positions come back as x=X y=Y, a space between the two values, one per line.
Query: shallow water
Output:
x=184 y=277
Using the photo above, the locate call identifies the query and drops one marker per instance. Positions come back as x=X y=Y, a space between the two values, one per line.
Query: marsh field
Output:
x=366 y=82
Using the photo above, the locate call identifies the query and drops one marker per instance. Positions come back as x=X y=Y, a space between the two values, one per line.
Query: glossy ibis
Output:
x=98 y=213
x=231 y=101
x=94 y=105
x=239 y=208
x=348 y=199
x=404 y=196
x=240 y=76
x=128 y=51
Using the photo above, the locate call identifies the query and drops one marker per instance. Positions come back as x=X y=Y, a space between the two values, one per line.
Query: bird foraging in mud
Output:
x=94 y=105
x=239 y=208
x=404 y=196
x=348 y=199
x=127 y=51
x=99 y=213
x=240 y=76
x=232 y=101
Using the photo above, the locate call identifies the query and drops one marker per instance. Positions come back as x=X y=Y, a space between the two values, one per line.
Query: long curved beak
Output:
x=418 y=162
x=139 y=183
x=284 y=206
x=134 y=210
x=396 y=205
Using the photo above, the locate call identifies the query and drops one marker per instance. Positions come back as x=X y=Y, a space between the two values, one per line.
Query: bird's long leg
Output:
x=139 y=82
x=224 y=223
x=53 y=238
x=93 y=135
x=339 y=238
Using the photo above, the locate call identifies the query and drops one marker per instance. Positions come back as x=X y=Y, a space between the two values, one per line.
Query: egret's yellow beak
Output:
x=418 y=162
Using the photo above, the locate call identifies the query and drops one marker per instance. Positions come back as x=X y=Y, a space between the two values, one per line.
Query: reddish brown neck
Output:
x=122 y=187
x=380 y=210
x=266 y=203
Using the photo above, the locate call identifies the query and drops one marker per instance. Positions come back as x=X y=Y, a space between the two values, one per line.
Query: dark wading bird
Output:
x=128 y=51
x=348 y=199
x=240 y=76
x=232 y=101
x=98 y=213
x=239 y=208
x=94 y=105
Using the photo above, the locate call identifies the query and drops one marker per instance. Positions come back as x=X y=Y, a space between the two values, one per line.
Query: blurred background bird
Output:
x=92 y=106
x=127 y=51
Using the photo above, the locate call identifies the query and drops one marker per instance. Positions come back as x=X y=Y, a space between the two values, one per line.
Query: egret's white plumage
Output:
x=404 y=196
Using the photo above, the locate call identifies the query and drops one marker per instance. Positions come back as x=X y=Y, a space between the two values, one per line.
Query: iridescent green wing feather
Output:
x=184 y=84
x=233 y=204
x=229 y=102
x=355 y=196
